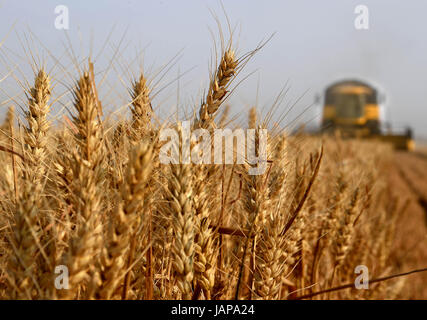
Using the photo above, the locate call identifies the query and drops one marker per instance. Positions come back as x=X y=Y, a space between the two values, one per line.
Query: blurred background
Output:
x=315 y=43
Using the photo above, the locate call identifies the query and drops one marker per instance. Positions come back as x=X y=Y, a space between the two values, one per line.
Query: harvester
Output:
x=352 y=108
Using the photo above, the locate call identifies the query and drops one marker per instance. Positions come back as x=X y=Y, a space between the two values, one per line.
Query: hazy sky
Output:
x=315 y=43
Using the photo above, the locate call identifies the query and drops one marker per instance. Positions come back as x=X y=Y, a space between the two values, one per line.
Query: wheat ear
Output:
x=179 y=193
x=87 y=181
x=204 y=261
x=218 y=89
x=26 y=230
x=38 y=125
x=141 y=108
x=128 y=217
x=8 y=121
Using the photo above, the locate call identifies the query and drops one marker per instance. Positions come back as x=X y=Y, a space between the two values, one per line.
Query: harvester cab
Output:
x=351 y=107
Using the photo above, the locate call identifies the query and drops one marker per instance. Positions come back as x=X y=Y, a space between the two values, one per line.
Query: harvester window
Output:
x=349 y=105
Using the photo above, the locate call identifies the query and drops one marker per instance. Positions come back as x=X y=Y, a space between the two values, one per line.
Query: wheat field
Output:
x=92 y=196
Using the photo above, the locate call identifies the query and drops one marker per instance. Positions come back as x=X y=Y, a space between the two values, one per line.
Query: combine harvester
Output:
x=352 y=108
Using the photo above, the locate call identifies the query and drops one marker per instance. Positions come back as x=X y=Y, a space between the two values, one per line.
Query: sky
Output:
x=315 y=43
